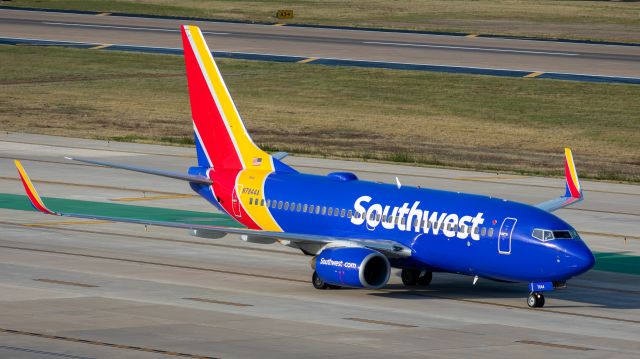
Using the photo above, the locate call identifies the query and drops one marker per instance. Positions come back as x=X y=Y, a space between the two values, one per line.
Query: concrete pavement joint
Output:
x=104 y=344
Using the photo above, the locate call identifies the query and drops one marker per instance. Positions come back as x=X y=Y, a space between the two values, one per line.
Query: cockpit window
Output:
x=547 y=235
x=562 y=235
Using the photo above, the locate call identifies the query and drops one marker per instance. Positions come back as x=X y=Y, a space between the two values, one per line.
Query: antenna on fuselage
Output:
x=398 y=183
x=475 y=280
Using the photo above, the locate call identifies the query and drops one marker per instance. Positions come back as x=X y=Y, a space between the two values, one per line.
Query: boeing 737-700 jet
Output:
x=357 y=230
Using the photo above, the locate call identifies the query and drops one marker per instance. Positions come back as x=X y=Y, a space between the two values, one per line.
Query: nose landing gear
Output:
x=535 y=300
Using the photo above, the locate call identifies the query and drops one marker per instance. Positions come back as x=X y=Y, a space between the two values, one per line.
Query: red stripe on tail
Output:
x=570 y=183
x=207 y=119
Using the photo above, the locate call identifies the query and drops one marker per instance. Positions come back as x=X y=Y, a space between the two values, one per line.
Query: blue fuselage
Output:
x=446 y=231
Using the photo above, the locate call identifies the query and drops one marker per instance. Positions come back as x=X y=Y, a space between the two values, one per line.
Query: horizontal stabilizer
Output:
x=279 y=155
x=175 y=175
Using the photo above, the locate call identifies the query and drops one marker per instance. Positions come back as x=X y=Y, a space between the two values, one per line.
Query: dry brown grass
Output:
x=466 y=121
x=606 y=20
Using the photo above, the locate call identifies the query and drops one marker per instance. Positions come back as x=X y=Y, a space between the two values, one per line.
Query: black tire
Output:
x=425 y=279
x=535 y=300
x=410 y=276
x=317 y=282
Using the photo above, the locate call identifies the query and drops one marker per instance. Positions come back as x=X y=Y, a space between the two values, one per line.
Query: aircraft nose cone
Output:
x=580 y=258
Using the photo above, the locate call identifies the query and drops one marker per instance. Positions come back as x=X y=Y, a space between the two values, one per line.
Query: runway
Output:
x=313 y=44
x=86 y=289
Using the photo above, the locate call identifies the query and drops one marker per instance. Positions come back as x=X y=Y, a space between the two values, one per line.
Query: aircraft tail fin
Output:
x=221 y=139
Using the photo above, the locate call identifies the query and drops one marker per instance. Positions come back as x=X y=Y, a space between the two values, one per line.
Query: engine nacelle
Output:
x=353 y=267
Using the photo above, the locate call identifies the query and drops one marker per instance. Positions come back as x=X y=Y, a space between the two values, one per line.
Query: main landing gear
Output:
x=535 y=300
x=318 y=283
x=412 y=277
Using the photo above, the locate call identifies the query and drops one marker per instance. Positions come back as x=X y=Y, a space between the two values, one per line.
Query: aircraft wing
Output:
x=573 y=193
x=387 y=247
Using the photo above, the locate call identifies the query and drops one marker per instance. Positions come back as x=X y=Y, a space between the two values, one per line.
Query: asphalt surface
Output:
x=84 y=289
x=493 y=53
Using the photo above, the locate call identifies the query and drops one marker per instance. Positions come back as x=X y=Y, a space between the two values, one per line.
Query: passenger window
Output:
x=349 y=214
x=274 y=204
x=279 y=204
x=324 y=210
x=404 y=220
x=299 y=207
x=484 y=231
x=262 y=202
x=330 y=211
x=490 y=232
x=304 y=208
x=286 y=206
x=378 y=217
x=317 y=209
x=336 y=212
x=428 y=224
x=268 y=203
x=250 y=200
x=342 y=213
x=455 y=227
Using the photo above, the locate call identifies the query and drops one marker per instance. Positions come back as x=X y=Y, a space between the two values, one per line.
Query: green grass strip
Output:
x=21 y=202
x=605 y=261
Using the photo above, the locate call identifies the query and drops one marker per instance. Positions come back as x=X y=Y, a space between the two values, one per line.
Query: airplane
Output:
x=356 y=230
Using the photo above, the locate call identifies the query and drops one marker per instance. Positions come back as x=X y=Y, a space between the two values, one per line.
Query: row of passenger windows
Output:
x=341 y=212
x=304 y=208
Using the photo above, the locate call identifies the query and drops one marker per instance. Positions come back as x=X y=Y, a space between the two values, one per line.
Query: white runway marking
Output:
x=128 y=27
x=471 y=48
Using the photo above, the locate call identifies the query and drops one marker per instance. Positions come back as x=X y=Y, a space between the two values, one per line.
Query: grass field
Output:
x=601 y=20
x=466 y=121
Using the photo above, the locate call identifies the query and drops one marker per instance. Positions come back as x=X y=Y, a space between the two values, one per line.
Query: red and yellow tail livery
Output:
x=36 y=202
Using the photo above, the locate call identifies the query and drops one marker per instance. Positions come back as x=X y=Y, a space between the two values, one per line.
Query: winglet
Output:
x=36 y=202
x=571 y=175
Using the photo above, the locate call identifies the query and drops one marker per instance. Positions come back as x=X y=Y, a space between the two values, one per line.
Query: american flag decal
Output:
x=256 y=161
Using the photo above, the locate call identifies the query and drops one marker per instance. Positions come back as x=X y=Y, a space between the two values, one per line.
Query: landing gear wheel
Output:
x=318 y=283
x=425 y=279
x=410 y=276
x=535 y=300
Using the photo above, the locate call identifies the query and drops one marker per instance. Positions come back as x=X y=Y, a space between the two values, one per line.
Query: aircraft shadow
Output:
x=458 y=287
